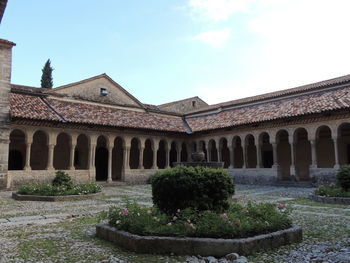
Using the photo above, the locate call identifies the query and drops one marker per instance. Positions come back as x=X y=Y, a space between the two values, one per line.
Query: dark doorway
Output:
x=267 y=159
x=15 y=160
x=101 y=163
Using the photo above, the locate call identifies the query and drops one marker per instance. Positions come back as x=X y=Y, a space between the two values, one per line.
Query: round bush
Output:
x=63 y=179
x=343 y=177
x=199 y=188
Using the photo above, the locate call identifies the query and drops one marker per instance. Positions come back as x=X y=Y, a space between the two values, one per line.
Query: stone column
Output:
x=142 y=149
x=209 y=151
x=50 y=157
x=313 y=154
x=336 y=152
x=110 y=153
x=126 y=153
x=167 y=157
x=72 y=156
x=258 y=155
x=178 y=153
x=275 y=157
x=292 y=156
x=29 y=141
x=232 y=156
x=155 y=150
x=218 y=150
x=92 y=150
x=245 y=156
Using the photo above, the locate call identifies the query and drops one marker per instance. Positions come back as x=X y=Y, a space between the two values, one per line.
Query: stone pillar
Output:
x=50 y=157
x=92 y=150
x=232 y=156
x=218 y=150
x=29 y=141
x=336 y=152
x=73 y=145
x=245 y=156
x=142 y=149
x=155 y=150
x=209 y=151
x=275 y=157
x=5 y=86
x=126 y=153
x=313 y=154
x=178 y=153
x=292 y=156
x=258 y=155
x=110 y=153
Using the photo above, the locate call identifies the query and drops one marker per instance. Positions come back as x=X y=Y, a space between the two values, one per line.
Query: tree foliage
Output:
x=46 y=77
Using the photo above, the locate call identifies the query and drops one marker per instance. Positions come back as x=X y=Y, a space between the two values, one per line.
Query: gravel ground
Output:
x=64 y=231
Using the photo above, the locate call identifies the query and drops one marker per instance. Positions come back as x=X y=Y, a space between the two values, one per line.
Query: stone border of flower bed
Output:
x=330 y=200
x=216 y=247
x=20 y=197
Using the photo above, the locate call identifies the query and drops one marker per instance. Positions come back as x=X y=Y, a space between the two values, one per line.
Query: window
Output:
x=193 y=103
x=103 y=92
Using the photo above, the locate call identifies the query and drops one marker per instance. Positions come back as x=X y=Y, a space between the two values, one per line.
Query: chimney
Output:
x=5 y=86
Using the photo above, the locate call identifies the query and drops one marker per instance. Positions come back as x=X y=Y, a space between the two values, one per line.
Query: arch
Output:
x=225 y=152
x=148 y=154
x=161 y=154
x=250 y=147
x=237 y=152
x=81 y=155
x=118 y=159
x=17 y=150
x=173 y=153
x=101 y=159
x=213 y=153
x=302 y=154
x=266 y=150
x=284 y=158
x=344 y=143
x=39 y=151
x=324 y=147
x=135 y=153
x=62 y=152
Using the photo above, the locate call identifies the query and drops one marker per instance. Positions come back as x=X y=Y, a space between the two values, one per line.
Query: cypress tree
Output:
x=46 y=77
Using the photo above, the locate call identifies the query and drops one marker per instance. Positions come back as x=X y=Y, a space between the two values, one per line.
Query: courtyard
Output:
x=65 y=231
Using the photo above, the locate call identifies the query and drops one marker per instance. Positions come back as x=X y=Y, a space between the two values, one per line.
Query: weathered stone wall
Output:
x=16 y=178
x=5 y=78
x=261 y=176
x=184 y=106
x=321 y=176
x=91 y=90
x=138 y=176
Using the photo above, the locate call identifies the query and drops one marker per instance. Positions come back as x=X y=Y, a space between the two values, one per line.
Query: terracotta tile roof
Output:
x=31 y=107
x=75 y=112
x=279 y=109
x=279 y=94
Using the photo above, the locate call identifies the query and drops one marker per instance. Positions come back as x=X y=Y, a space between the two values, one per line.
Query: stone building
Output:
x=97 y=131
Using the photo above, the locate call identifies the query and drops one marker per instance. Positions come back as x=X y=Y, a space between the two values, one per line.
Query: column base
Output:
x=313 y=166
x=27 y=168
x=336 y=166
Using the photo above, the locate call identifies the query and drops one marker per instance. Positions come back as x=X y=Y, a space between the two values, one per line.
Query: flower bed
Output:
x=61 y=188
x=238 y=221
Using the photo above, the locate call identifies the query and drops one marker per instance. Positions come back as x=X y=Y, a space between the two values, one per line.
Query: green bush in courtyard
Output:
x=198 y=188
x=343 y=177
x=62 y=179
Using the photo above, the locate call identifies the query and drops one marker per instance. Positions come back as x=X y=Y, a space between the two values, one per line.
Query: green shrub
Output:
x=332 y=191
x=198 y=188
x=63 y=179
x=53 y=190
x=238 y=221
x=343 y=177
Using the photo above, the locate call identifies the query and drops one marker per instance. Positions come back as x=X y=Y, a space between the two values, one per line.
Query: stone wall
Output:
x=5 y=79
x=184 y=106
x=16 y=178
x=321 y=176
x=262 y=176
x=138 y=176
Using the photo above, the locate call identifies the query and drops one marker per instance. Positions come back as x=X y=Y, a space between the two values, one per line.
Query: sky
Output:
x=166 y=50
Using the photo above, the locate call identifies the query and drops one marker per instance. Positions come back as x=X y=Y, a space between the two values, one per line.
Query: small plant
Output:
x=63 y=179
x=198 y=188
x=332 y=191
x=343 y=177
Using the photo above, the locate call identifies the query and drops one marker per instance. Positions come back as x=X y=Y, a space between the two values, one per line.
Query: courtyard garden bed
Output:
x=193 y=215
x=335 y=194
x=61 y=189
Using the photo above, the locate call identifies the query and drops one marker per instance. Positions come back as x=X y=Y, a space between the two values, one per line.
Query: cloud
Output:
x=217 y=10
x=214 y=38
x=294 y=43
